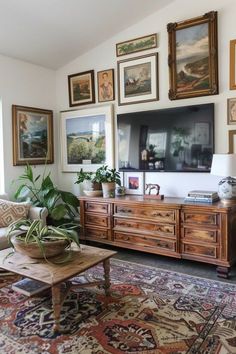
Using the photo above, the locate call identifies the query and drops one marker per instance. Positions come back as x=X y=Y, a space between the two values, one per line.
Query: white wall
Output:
x=104 y=57
x=27 y=85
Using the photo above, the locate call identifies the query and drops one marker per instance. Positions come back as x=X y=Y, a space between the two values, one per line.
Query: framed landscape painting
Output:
x=232 y=65
x=133 y=182
x=136 y=45
x=87 y=139
x=137 y=79
x=193 y=58
x=32 y=130
x=81 y=88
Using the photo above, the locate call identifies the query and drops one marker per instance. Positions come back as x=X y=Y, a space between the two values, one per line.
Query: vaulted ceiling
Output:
x=51 y=33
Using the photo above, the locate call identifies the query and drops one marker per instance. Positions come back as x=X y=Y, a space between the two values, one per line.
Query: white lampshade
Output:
x=224 y=165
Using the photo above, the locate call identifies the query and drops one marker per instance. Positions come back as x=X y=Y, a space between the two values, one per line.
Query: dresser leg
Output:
x=223 y=272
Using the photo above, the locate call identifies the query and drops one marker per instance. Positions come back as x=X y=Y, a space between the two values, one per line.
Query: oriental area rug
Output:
x=150 y=311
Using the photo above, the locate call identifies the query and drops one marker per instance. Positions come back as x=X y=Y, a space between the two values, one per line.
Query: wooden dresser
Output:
x=170 y=227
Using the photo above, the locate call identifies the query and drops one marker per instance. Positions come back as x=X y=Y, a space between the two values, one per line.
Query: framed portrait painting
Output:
x=87 y=139
x=134 y=182
x=231 y=110
x=32 y=130
x=138 y=79
x=105 y=83
x=81 y=88
x=193 y=58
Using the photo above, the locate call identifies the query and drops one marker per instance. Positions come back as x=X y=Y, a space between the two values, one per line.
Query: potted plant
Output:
x=109 y=178
x=41 y=191
x=36 y=240
x=91 y=177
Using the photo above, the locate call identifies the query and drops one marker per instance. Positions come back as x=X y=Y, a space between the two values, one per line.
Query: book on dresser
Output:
x=203 y=194
x=29 y=287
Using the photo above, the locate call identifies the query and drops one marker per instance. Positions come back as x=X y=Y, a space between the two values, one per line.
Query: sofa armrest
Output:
x=38 y=213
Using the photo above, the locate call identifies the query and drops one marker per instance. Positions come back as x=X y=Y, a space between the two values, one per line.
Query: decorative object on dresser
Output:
x=81 y=88
x=153 y=191
x=87 y=138
x=231 y=110
x=32 y=135
x=193 y=57
x=171 y=227
x=232 y=63
x=138 y=79
x=105 y=84
x=136 y=45
x=225 y=165
x=109 y=178
x=134 y=182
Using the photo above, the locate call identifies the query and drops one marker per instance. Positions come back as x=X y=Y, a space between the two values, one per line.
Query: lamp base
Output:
x=227 y=190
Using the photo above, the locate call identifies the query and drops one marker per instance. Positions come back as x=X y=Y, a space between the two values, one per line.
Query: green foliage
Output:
x=84 y=176
x=34 y=231
x=104 y=174
x=42 y=193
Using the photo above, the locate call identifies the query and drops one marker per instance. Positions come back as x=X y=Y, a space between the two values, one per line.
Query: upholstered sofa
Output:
x=31 y=212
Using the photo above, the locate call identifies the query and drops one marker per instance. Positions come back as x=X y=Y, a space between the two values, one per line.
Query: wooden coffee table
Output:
x=54 y=275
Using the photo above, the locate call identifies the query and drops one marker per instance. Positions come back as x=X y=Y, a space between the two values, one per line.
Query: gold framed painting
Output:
x=81 y=88
x=32 y=130
x=105 y=85
x=232 y=141
x=232 y=65
x=138 y=79
x=231 y=110
x=136 y=45
x=193 y=57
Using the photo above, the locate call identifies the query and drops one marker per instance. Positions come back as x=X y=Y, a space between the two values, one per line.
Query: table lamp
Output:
x=225 y=165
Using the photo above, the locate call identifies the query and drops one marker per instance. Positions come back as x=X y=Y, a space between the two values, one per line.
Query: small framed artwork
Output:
x=138 y=79
x=134 y=183
x=81 y=88
x=232 y=65
x=105 y=82
x=136 y=45
x=232 y=141
x=193 y=58
x=87 y=139
x=32 y=130
x=231 y=110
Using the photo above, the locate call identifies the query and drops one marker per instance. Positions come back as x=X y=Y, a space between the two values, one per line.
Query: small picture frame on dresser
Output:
x=134 y=183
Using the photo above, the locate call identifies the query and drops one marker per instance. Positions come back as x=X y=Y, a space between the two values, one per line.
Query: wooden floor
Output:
x=198 y=269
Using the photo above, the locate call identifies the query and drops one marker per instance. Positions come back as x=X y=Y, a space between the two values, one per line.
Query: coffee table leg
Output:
x=56 y=303
x=106 y=266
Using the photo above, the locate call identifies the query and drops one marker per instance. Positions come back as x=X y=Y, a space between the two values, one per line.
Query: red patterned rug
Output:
x=150 y=311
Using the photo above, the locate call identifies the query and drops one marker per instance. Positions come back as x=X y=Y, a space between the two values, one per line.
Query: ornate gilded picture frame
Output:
x=193 y=57
x=232 y=65
x=32 y=130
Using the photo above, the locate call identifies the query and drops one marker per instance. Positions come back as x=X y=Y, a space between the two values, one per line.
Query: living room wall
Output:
x=23 y=84
x=104 y=57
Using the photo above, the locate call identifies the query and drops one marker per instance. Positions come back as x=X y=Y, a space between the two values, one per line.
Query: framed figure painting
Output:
x=32 y=135
x=87 y=139
x=105 y=80
x=193 y=58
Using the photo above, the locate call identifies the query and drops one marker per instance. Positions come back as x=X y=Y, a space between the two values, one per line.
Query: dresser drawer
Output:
x=193 y=217
x=144 y=241
x=147 y=227
x=95 y=234
x=200 y=250
x=194 y=234
x=102 y=208
x=150 y=213
x=97 y=220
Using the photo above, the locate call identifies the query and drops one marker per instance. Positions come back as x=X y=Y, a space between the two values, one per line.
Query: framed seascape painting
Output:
x=81 y=88
x=136 y=45
x=137 y=79
x=134 y=183
x=105 y=83
x=32 y=130
x=87 y=139
x=193 y=58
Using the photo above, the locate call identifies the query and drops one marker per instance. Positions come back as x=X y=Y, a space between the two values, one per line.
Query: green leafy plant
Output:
x=89 y=176
x=104 y=175
x=35 y=232
x=42 y=192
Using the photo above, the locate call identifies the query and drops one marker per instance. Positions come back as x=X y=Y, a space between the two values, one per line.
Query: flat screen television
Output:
x=179 y=139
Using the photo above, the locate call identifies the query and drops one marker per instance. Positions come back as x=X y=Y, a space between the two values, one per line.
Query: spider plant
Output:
x=35 y=232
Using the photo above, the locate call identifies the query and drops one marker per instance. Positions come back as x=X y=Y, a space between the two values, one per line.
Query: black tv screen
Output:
x=177 y=139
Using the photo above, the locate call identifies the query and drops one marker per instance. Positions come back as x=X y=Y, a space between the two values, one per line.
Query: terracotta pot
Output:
x=51 y=248
x=108 y=189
